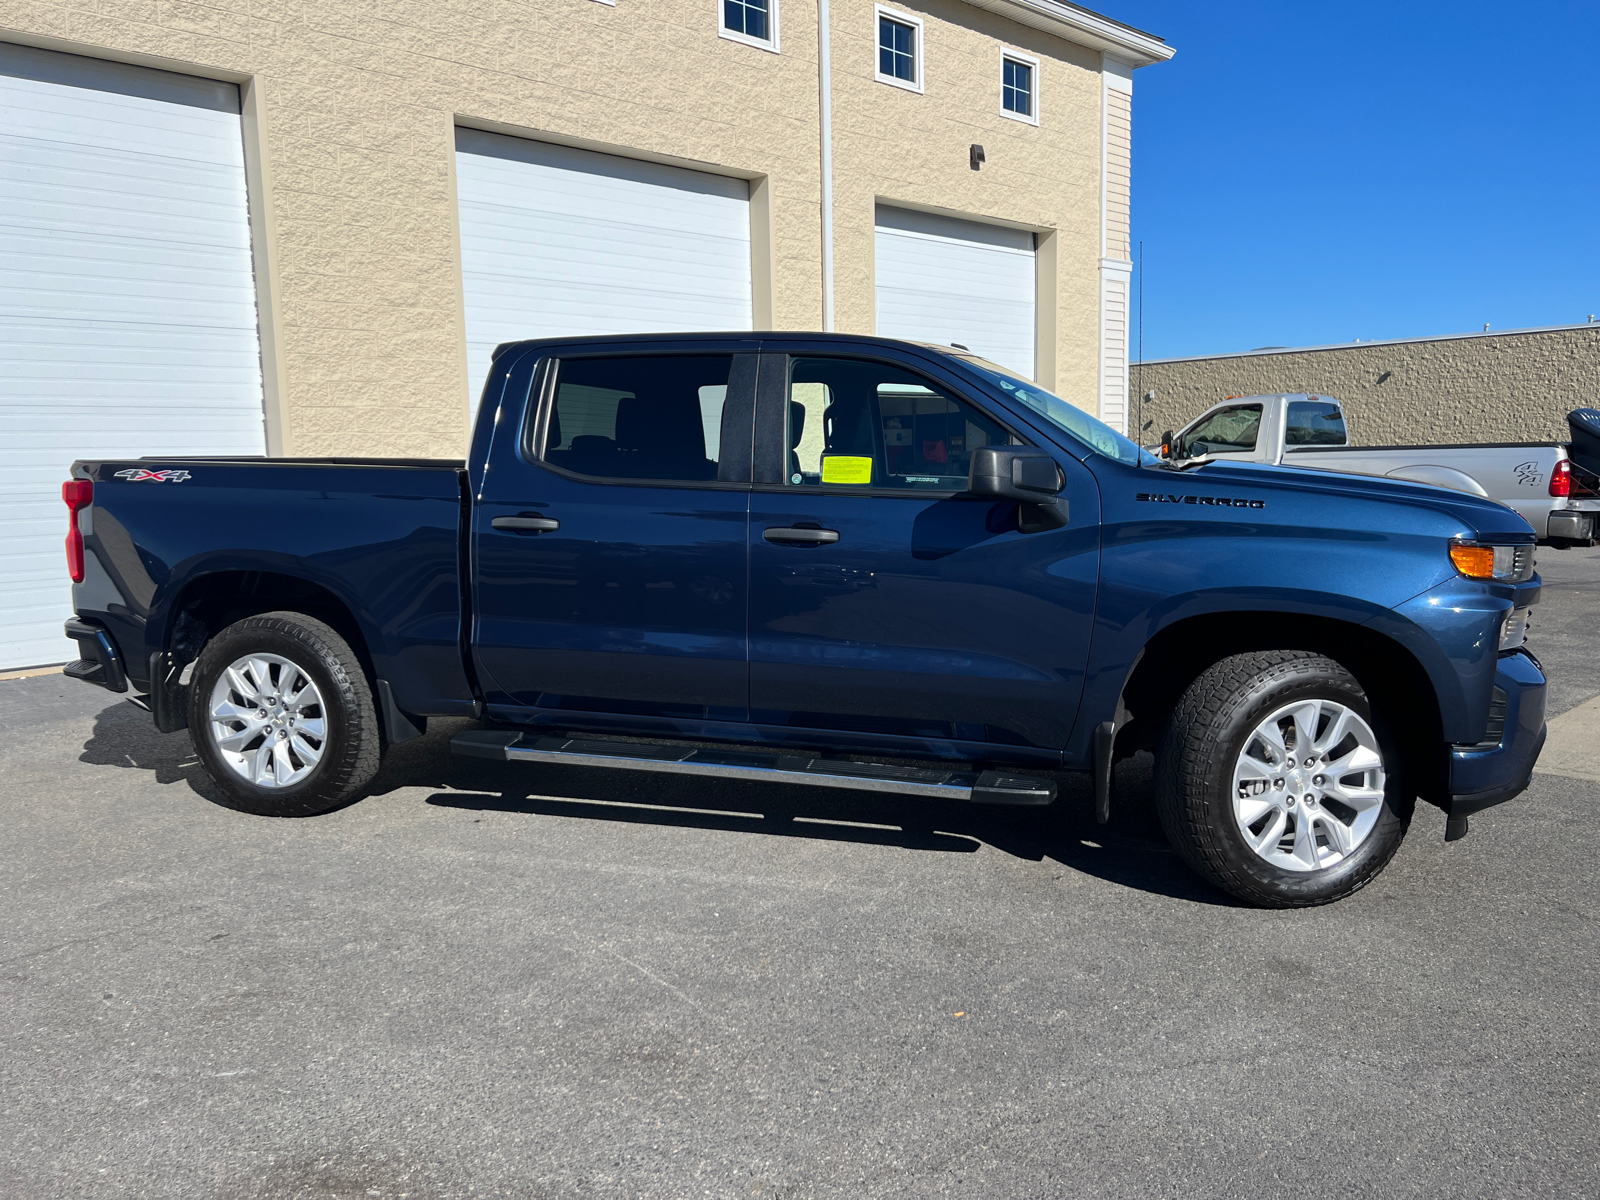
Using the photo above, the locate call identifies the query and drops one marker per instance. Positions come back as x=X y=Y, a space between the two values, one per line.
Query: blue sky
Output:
x=1308 y=173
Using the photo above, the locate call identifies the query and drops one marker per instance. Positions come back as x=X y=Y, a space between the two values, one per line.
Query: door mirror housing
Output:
x=1030 y=477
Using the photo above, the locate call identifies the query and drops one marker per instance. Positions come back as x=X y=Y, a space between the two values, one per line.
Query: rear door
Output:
x=885 y=601
x=611 y=539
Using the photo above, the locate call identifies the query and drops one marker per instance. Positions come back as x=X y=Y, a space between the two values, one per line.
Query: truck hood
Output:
x=1487 y=519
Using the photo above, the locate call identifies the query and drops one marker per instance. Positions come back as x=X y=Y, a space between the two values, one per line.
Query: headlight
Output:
x=1507 y=564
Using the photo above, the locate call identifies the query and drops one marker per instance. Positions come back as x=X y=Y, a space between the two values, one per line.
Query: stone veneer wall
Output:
x=1494 y=387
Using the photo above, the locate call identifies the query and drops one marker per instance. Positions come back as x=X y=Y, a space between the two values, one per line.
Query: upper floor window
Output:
x=899 y=49
x=751 y=21
x=1019 y=87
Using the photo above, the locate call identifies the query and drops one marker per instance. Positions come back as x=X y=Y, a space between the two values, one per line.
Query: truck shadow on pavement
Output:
x=1131 y=851
x=124 y=737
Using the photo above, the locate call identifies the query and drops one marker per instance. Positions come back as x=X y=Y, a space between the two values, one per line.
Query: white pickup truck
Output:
x=1299 y=430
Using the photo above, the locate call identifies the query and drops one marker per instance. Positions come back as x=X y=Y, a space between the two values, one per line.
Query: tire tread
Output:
x=1187 y=756
x=361 y=739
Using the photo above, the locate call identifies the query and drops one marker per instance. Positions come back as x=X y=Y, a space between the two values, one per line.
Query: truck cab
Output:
x=1535 y=479
x=1263 y=428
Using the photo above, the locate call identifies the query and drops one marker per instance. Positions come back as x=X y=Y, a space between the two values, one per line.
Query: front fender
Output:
x=1453 y=629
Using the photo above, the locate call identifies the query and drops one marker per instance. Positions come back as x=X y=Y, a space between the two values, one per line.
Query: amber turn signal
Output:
x=1475 y=562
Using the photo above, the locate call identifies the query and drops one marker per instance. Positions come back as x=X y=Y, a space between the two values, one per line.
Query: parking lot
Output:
x=501 y=981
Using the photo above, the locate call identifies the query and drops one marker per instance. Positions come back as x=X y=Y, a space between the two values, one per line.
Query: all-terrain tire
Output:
x=351 y=744
x=1203 y=738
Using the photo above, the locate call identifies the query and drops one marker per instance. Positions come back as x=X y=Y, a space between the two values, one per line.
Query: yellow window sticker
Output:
x=842 y=468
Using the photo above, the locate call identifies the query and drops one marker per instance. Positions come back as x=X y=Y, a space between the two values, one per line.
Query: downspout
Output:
x=825 y=113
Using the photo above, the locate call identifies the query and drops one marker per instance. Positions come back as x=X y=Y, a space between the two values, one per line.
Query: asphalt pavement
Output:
x=532 y=982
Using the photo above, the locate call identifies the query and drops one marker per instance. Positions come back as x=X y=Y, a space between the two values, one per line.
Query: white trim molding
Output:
x=744 y=39
x=1116 y=275
x=1083 y=27
x=1376 y=343
x=879 y=12
x=1032 y=63
x=1116 y=269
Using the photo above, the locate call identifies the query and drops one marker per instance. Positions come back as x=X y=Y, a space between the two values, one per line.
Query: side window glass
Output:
x=865 y=424
x=1231 y=431
x=657 y=417
x=1314 y=423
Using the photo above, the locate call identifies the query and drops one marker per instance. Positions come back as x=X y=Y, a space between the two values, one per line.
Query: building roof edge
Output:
x=1084 y=27
x=1441 y=337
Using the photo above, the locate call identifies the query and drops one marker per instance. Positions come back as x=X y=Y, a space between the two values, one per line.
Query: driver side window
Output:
x=1226 y=431
x=867 y=424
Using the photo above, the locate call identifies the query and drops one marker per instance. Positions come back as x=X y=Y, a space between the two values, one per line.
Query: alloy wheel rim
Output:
x=1308 y=785
x=267 y=720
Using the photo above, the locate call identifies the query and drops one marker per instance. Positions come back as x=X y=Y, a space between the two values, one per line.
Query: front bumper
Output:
x=1499 y=768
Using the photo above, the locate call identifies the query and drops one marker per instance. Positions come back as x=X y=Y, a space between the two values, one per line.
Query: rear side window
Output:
x=1226 y=431
x=657 y=417
x=1314 y=423
x=863 y=424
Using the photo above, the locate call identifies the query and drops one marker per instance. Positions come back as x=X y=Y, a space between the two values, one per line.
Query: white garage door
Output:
x=127 y=300
x=557 y=242
x=943 y=280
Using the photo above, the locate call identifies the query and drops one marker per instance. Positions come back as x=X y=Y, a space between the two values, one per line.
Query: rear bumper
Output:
x=1482 y=776
x=100 y=662
x=1573 y=524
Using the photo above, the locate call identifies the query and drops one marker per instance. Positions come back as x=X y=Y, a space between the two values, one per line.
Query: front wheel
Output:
x=1276 y=782
x=282 y=716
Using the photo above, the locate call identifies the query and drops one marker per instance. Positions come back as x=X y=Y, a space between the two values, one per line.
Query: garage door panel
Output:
x=943 y=280
x=127 y=299
x=600 y=262
x=562 y=242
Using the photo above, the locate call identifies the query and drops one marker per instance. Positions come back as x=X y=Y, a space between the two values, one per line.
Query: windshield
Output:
x=1069 y=418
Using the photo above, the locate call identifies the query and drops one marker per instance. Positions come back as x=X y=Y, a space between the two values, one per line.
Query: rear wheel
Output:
x=1276 y=782
x=282 y=716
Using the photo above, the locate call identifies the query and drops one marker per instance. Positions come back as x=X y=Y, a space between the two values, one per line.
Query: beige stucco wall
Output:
x=1496 y=387
x=899 y=147
x=351 y=107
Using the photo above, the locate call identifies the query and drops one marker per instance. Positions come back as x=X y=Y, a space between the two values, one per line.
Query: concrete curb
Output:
x=1572 y=746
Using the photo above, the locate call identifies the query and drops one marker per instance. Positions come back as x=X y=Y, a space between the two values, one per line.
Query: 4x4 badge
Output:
x=140 y=475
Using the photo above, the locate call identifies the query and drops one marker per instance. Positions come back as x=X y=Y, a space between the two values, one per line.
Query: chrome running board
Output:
x=760 y=766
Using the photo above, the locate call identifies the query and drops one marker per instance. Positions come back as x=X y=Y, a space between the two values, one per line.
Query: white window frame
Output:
x=744 y=39
x=1029 y=61
x=880 y=11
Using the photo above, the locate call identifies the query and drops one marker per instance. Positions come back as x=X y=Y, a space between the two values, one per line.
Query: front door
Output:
x=611 y=541
x=885 y=601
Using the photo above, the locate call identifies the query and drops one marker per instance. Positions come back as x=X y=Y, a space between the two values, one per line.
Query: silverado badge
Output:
x=1221 y=501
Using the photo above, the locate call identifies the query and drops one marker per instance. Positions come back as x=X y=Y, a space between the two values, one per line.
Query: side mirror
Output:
x=1030 y=477
x=1166 y=444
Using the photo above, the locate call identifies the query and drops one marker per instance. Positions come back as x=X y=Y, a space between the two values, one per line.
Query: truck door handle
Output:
x=802 y=536
x=530 y=524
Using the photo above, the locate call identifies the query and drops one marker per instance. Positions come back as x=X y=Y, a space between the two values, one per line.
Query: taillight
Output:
x=1561 y=479
x=78 y=494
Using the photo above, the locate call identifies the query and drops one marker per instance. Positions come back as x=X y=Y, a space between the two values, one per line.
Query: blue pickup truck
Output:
x=842 y=561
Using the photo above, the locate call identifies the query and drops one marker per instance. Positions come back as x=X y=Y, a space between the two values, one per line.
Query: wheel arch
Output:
x=1384 y=667
x=209 y=603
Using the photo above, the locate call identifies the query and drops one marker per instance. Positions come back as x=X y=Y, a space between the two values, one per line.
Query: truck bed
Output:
x=379 y=539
